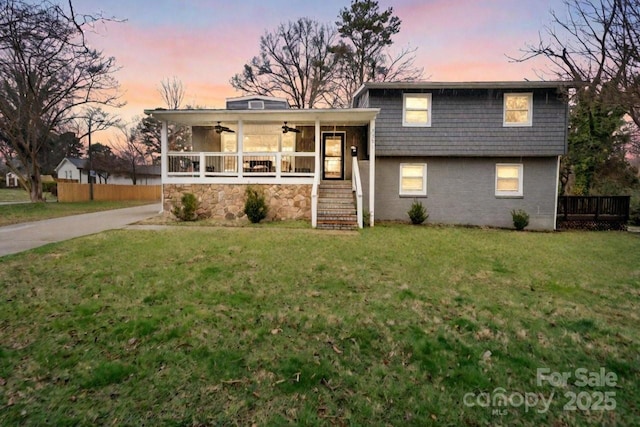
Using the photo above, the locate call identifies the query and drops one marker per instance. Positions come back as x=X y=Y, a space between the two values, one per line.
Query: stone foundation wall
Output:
x=226 y=201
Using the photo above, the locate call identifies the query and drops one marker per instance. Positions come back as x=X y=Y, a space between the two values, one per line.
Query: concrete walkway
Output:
x=21 y=237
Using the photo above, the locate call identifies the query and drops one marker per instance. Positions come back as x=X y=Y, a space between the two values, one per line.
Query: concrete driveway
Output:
x=21 y=237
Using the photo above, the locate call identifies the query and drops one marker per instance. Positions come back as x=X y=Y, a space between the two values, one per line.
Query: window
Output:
x=416 y=109
x=413 y=179
x=256 y=105
x=229 y=142
x=258 y=143
x=509 y=179
x=288 y=142
x=518 y=109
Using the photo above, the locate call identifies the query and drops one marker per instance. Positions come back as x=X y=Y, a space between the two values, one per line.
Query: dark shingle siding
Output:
x=469 y=123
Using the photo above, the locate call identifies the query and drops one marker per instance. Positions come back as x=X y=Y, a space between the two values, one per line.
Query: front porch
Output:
x=286 y=152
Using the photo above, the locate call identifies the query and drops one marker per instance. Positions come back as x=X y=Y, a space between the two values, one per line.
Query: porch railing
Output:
x=593 y=208
x=206 y=164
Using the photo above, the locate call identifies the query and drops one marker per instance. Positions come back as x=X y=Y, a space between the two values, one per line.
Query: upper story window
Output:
x=256 y=105
x=509 y=179
x=518 y=109
x=416 y=109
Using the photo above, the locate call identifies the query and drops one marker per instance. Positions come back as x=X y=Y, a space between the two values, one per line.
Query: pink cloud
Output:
x=478 y=34
x=456 y=40
x=200 y=58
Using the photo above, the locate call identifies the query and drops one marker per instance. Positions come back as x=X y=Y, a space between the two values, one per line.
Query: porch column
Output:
x=316 y=177
x=372 y=170
x=164 y=148
x=164 y=158
x=240 y=147
x=317 y=147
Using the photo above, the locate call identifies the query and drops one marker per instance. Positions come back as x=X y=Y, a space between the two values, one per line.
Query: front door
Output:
x=333 y=155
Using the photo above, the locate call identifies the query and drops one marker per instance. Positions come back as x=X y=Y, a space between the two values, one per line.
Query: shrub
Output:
x=187 y=210
x=418 y=213
x=255 y=206
x=50 y=187
x=366 y=219
x=520 y=219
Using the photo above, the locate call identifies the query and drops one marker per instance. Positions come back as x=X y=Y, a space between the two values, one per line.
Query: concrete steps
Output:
x=336 y=207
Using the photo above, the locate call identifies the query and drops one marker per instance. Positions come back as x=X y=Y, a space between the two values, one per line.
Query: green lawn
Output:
x=13 y=195
x=14 y=214
x=395 y=325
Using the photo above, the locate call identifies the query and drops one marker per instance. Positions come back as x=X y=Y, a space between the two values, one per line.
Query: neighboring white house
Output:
x=78 y=170
x=73 y=169
x=145 y=175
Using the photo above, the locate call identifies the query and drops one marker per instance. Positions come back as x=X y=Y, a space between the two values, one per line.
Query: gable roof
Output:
x=257 y=98
x=78 y=163
x=153 y=170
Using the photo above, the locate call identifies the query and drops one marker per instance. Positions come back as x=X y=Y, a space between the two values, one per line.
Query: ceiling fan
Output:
x=219 y=128
x=286 y=129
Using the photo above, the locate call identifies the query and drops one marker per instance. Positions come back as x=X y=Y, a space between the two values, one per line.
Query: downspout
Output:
x=316 y=178
x=164 y=163
x=555 y=204
x=372 y=170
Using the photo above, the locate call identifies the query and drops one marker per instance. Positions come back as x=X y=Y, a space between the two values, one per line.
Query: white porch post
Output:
x=317 y=147
x=240 y=147
x=164 y=158
x=316 y=177
x=372 y=170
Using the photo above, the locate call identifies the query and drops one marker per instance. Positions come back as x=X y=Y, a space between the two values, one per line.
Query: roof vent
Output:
x=256 y=105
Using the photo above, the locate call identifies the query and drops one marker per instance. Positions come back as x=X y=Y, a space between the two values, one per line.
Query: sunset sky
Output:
x=205 y=42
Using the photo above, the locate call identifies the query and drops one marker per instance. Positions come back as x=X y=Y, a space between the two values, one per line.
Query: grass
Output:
x=14 y=214
x=393 y=325
x=13 y=195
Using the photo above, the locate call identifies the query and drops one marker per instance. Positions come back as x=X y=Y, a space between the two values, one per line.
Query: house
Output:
x=77 y=170
x=73 y=169
x=144 y=175
x=13 y=170
x=11 y=180
x=471 y=152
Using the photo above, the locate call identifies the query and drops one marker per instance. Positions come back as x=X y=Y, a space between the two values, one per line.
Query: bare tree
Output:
x=364 y=52
x=172 y=92
x=46 y=71
x=90 y=120
x=596 y=43
x=296 y=62
x=147 y=129
x=93 y=119
x=131 y=151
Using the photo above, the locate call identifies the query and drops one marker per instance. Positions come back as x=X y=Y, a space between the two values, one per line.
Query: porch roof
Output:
x=203 y=117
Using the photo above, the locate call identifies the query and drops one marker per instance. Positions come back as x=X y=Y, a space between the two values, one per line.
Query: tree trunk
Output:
x=36 y=187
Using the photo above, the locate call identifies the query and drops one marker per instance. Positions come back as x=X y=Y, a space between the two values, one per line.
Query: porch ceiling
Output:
x=346 y=116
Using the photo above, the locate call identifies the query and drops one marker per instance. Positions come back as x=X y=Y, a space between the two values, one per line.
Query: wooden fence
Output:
x=73 y=192
x=593 y=212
